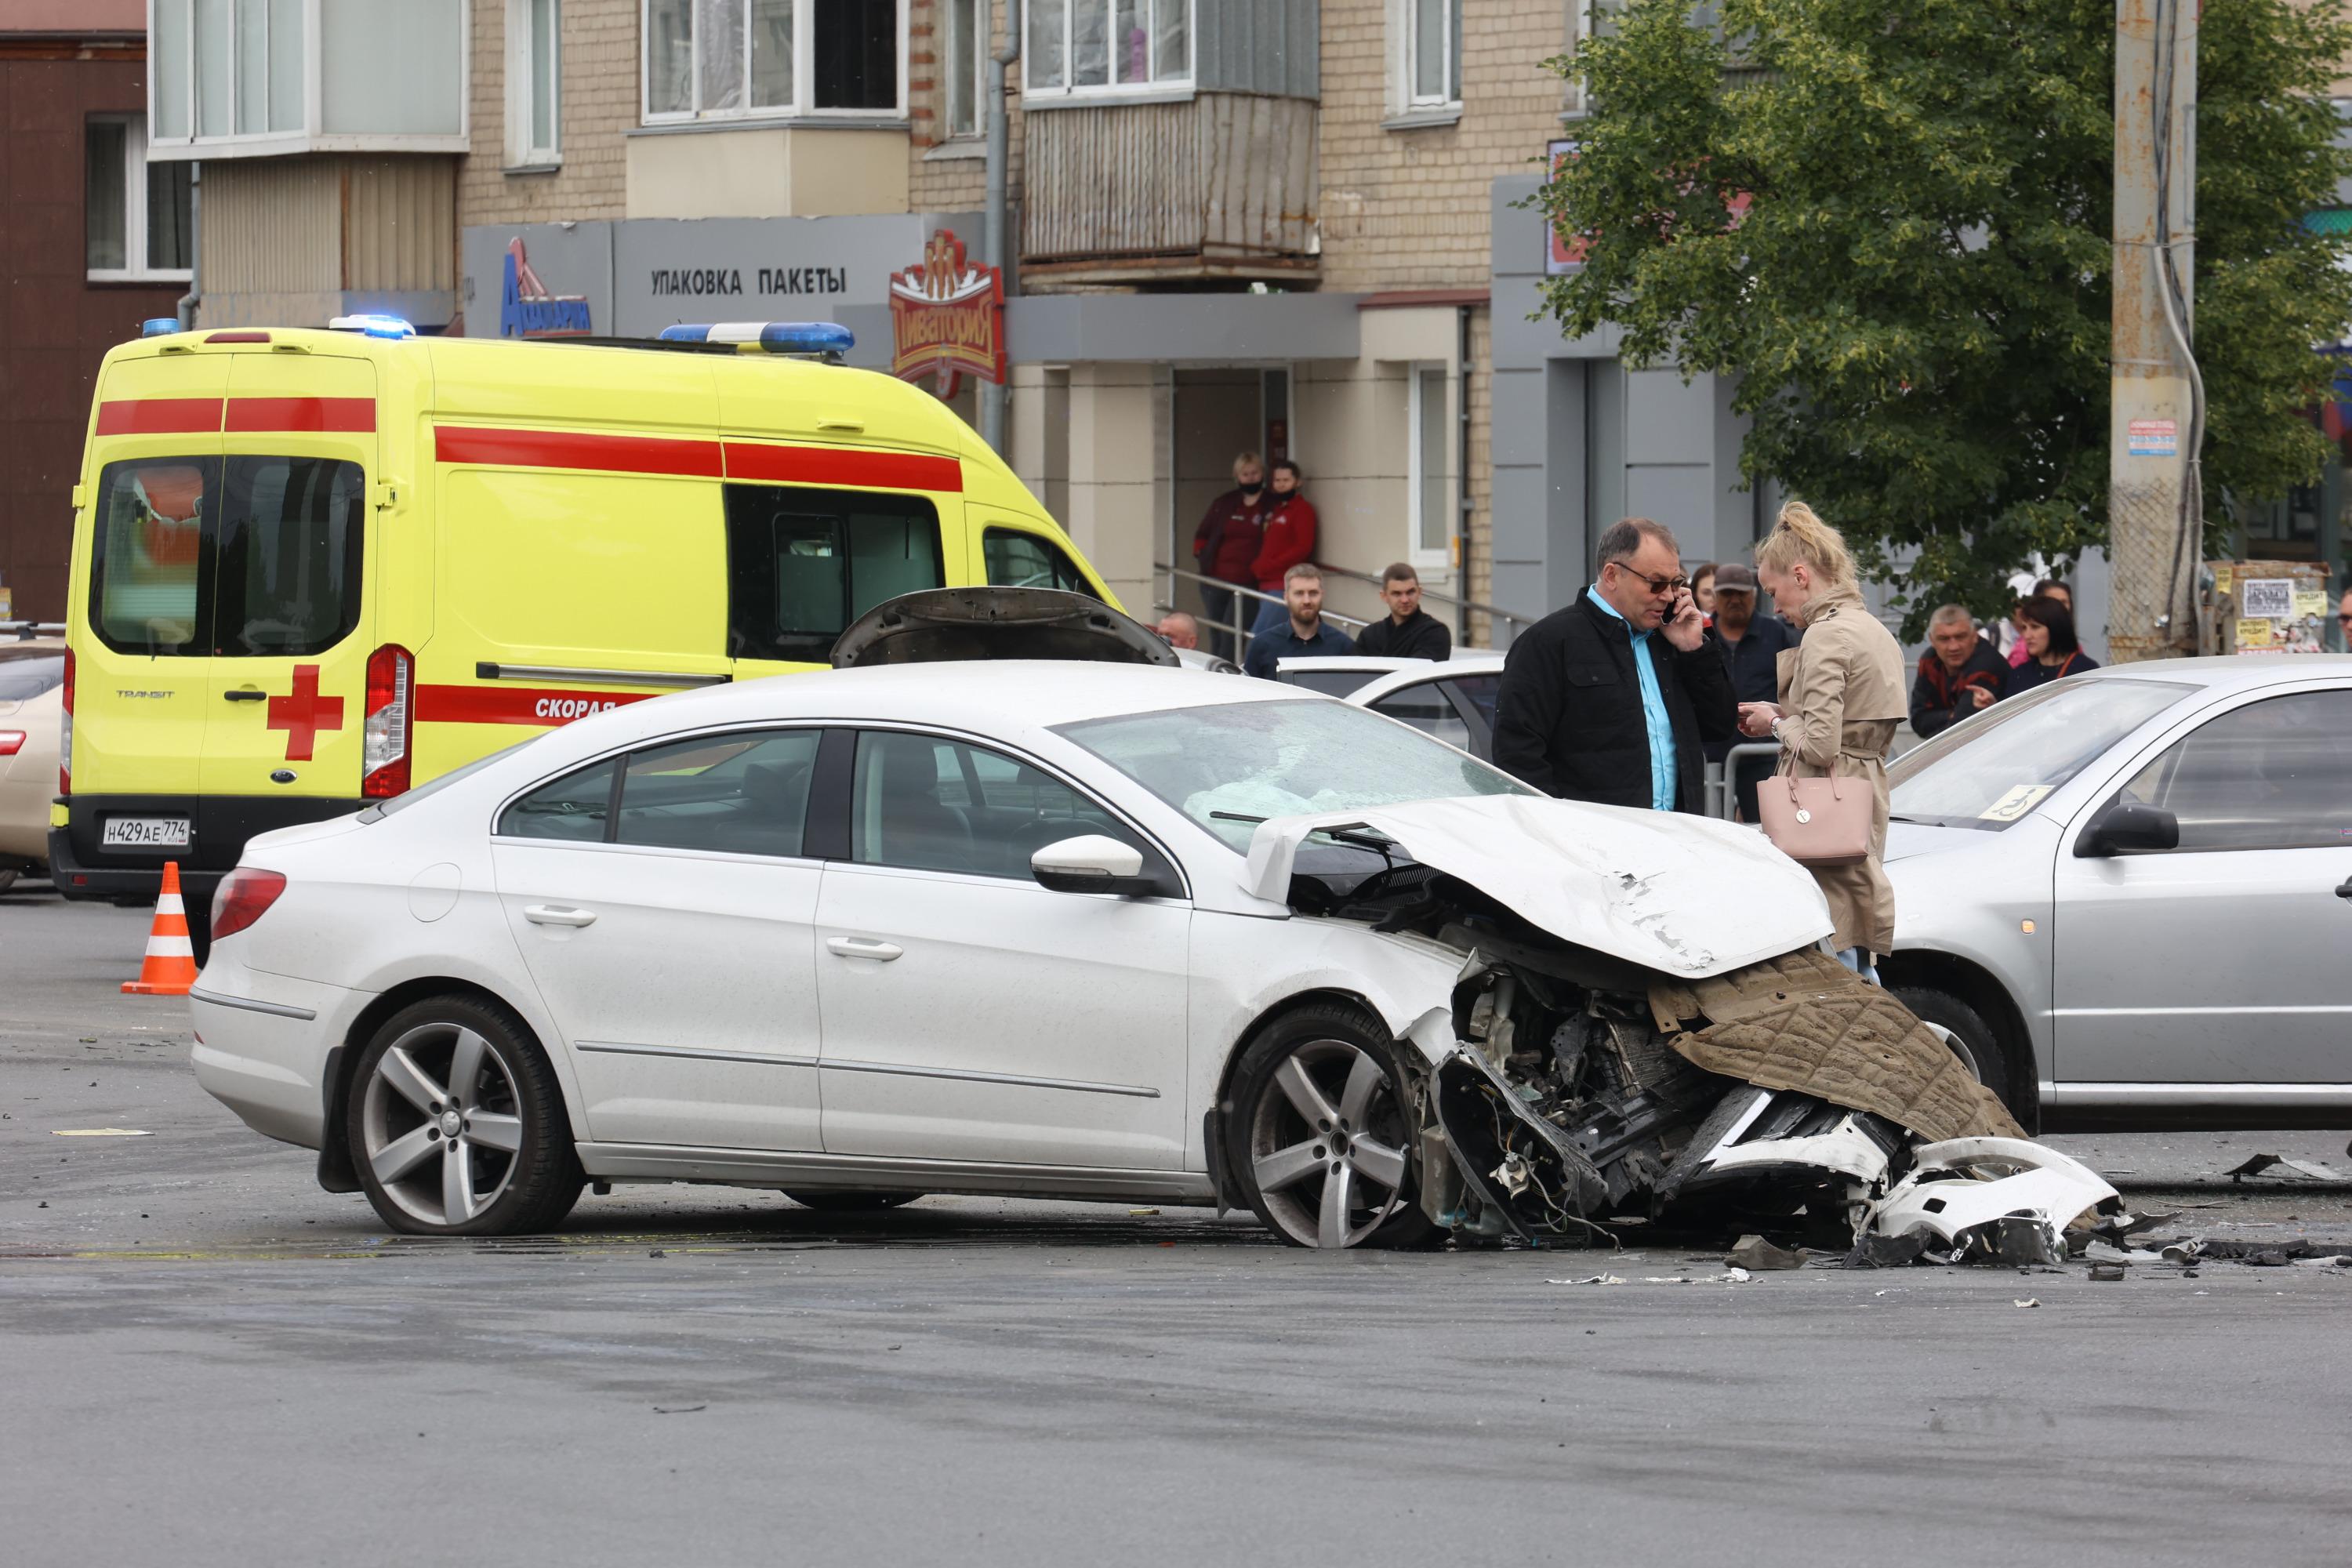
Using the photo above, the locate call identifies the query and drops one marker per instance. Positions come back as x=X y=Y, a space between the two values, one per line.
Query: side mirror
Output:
x=2128 y=825
x=1091 y=863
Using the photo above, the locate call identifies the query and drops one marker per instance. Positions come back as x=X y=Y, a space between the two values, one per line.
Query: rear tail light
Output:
x=65 y=733
x=11 y=743
x=384 y=763
x=243 y=897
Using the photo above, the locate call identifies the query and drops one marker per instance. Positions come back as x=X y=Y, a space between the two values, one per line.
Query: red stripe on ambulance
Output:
x=572 y=449
x=341 y=414
x=545 y=705
x=160 y=416
x=839 y=466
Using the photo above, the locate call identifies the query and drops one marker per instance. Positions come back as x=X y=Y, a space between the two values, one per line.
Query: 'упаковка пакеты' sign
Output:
x=671 y=281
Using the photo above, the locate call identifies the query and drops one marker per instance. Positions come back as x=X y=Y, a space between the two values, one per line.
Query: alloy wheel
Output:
x=440 y=1125
x=1327 y=1144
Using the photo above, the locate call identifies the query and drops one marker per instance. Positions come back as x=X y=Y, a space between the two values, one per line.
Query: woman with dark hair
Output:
x=2053 y=651
x=1703 y=590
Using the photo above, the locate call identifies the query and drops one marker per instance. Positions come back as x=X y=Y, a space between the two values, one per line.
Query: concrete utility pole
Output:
x=2155 y=511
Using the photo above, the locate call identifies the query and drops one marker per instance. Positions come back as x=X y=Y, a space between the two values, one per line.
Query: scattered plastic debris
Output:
x=2027 y=1301
x=1590 y=1279
x=2271 y=1164
x=1755 y=1252
x=98 y=1132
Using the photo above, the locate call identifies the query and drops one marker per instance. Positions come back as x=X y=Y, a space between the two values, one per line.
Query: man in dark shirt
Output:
x=1409 y=631
x=1610 y=698
x=1304 y=634
x=1959 y=675
x=1752 y=645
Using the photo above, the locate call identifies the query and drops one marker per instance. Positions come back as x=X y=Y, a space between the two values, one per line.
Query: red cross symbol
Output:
x=302 y=713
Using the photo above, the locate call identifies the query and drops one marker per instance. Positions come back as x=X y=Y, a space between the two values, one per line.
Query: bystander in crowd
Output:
x=1841 y=702
x=2053 y=651
x=1752 y=646
x=1703 y=590
x=1959 y=675
x=1178 y=629
x=1287 y=537
x=1226 y=547
x=1303 y=632
x=1407 y=631
x=1612 y=698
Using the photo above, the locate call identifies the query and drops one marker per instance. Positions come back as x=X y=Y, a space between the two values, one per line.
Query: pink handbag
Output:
x=1818 y=822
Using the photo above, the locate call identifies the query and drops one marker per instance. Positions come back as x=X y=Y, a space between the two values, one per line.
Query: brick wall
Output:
x=1408 y=208
x=938 y=180
x=597 y=101
x=55 y=324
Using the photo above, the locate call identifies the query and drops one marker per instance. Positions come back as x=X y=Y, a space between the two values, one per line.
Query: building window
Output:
x=1078 y=46
x=966 y=86
x=534 y=83
x=135 y=214
x=223 y=69
x=1430 y=468
x=737 y=59
x=1432 y=53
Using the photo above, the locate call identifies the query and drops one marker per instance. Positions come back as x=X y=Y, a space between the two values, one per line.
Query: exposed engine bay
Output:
x=1588 y=1093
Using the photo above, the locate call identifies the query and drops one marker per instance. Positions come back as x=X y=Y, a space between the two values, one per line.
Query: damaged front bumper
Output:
x=1787 y=1097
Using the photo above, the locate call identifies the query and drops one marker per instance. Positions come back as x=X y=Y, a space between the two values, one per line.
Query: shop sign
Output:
x=947 y=318
x=526 y=310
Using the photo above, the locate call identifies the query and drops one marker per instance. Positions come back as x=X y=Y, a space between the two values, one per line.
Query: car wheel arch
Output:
x=1927 y=968
x=1221 y=1105
x=336 y=1171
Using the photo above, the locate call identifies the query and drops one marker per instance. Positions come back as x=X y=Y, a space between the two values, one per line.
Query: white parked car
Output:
x=1053 y=928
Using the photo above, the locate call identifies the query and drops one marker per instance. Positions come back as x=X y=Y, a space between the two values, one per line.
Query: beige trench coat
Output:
x=1843 y=683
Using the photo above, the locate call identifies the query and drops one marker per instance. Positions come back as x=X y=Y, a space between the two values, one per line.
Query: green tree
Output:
x=1912 y=295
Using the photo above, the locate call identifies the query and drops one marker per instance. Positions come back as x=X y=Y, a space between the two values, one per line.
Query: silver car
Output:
x=2128 y=895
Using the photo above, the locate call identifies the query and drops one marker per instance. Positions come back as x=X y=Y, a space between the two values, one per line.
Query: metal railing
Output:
x=1473 y=606
x=1722 y=790
x=1245 y=603
x=27 y=630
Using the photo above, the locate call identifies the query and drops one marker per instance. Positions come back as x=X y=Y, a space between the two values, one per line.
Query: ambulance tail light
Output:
x=384 y=754
x=65 y=732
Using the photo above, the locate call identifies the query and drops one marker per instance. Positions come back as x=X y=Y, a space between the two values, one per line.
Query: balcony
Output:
x=1220 y=187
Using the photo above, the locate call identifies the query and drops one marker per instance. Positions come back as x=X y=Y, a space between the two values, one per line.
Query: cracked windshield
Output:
x=1232 y=766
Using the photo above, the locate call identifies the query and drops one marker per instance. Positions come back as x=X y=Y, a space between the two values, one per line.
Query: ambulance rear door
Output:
x=292 y=599
x=142 y=673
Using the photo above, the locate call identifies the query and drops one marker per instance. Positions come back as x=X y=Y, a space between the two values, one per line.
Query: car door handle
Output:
x=558 y=915
x=247 y=696
x=862 y=947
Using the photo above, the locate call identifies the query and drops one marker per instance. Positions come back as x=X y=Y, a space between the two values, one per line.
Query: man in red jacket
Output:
x=1289 y=539
x=1226 y=547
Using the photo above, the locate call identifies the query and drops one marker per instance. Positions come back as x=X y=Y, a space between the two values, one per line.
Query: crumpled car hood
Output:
x=1686 y=895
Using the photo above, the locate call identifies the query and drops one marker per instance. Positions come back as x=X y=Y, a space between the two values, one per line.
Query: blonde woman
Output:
x=1841 y=698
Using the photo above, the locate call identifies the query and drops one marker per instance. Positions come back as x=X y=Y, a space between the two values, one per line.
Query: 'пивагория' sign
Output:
x=947 y=317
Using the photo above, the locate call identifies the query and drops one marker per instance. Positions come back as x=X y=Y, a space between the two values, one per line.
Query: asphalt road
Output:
x=206 y=1360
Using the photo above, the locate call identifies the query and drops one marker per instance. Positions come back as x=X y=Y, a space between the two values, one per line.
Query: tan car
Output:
x=32 y=706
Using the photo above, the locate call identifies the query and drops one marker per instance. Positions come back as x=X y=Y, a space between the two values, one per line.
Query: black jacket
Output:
x=1568 y=717
x=1937 y=692
x=1422 y=636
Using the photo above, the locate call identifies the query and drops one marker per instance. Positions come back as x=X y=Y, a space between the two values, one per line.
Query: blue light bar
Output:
x=156 y=326
x=773 y=337
x=374 y=326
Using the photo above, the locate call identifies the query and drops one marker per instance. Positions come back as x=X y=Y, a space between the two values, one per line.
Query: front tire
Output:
x=1972 y=1039
x=1321 y=1131
x=457 y=1125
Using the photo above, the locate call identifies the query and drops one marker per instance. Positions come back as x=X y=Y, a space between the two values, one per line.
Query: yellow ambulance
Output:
x=315 y=568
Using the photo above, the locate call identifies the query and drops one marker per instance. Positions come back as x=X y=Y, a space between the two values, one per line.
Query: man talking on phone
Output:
x=1612 y=698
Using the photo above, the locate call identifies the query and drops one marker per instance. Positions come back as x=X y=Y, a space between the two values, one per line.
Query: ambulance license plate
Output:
x=144 y=833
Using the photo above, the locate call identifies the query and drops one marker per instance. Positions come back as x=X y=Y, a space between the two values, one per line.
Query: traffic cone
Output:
x=171 y=966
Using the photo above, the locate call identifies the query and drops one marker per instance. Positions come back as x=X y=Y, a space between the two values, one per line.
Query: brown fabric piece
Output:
x=1805 y=1022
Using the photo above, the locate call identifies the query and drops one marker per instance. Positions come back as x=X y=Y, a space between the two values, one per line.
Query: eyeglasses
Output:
x=2344 y=618
x=1658 y=586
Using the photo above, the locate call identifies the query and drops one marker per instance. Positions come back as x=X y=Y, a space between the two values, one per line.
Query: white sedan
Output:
x=1052 y=929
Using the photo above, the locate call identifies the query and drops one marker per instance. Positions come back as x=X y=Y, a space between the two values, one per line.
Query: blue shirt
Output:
x=1654 y=716
x=1267 y=647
